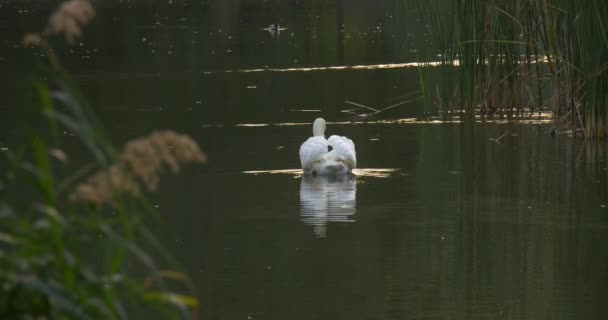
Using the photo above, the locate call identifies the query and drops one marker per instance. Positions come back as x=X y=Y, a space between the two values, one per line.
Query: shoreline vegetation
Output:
x=74 y=242
x=514 y=57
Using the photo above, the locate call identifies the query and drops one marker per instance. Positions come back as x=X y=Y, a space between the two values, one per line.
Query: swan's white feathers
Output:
x=316 y=158
x=313 y=150
x=344 y=149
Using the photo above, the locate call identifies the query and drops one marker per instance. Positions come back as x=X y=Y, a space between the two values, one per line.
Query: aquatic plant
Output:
x=510 y=57
x=92 y=257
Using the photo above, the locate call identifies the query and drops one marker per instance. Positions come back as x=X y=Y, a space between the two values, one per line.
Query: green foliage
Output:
x=72 y=261
x=61 y=260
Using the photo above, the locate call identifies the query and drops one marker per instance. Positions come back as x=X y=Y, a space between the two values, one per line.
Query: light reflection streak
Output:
x=360 y=172
x=538 y=118
x=448 y=63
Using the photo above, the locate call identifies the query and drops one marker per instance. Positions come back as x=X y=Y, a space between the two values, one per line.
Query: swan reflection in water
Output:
x=327 y=199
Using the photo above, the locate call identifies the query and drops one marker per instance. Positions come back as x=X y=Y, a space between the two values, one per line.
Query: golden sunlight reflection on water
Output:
x=536 y=118
x=361 y=172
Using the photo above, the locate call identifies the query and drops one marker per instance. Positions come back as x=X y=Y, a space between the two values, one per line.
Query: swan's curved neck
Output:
x=318 y=128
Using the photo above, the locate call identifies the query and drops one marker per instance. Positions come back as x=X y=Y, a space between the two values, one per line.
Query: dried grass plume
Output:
x=142 y=160
x=67 y=20
x=69 y=17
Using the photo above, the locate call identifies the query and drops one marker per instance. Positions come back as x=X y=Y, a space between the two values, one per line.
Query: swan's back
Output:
x=333 y=156
x=345 y=150
x=312 y=150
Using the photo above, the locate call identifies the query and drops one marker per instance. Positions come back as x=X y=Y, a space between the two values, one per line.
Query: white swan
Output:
x=333 y=156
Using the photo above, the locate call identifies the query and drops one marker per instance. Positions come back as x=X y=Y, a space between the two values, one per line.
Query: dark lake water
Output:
x=441 y=223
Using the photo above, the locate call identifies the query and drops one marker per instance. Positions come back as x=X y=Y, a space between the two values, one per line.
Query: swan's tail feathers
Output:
x=344 y=149
x=312 y=151
x=333 y=168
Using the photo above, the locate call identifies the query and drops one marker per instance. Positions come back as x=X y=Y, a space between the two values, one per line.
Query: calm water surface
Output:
x=453 y=226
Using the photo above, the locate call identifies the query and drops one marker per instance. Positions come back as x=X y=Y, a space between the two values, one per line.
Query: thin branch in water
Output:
x=504 y=134
x=349 y=112
x=404 y=95
x=398 y=104
x=360 y=105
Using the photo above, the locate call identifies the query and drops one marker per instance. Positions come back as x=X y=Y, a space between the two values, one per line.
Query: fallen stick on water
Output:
x=504 y=134
x=360 y=105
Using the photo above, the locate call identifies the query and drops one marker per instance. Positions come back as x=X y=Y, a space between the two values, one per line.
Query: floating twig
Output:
x=400 y=103
x=360 y=105
x=403 y=95
x=504 y=134
x=375 y=111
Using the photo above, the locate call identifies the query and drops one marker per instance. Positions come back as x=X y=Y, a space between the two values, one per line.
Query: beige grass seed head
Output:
x=143 y=159
x=69 y=18
x=31 y=39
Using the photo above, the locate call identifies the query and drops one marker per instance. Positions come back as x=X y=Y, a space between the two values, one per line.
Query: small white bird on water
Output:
x=333 y=156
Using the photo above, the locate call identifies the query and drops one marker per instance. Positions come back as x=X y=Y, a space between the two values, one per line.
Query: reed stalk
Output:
x=511 y=58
